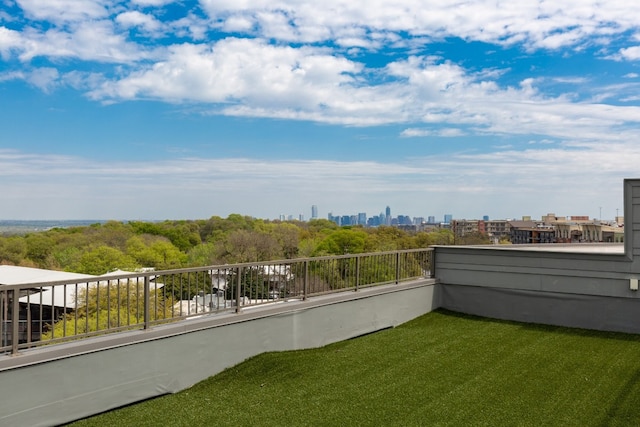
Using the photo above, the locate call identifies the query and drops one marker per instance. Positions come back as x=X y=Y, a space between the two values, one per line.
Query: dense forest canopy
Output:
x=100 y=248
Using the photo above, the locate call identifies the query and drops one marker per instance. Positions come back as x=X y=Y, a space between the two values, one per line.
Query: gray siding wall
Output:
x=589 y=290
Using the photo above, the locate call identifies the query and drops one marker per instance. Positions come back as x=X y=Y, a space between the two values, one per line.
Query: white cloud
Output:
x=153 y=3
x=543 y=24
x=143 y=21
x=10 y=40
x=89 y=41
x=464 y=184
x=246 y=77
x=191 y=26
x=45 y=78
x=234 y=70
x=61 y=11
x=422 y=132
x=628 y=53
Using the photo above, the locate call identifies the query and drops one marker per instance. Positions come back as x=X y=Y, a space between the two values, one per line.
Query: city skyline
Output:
x=361 y=218
x=156 y=109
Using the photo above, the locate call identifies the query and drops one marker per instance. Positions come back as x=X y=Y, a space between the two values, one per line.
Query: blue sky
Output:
x=155 y=109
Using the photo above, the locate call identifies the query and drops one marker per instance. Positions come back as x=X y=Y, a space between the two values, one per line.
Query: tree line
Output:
x=131 y=245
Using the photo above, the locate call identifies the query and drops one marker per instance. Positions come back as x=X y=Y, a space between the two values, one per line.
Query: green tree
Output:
x=288 y=235
x=341 y=242
x=216 y=228
x=39 y=247
x=155 y=252
x=441 y=237
x=12 y=250
x=203 y=254
x=387 y=238
x=104 y=259
x=110 y=305
x=249 y=246
x=476 y=238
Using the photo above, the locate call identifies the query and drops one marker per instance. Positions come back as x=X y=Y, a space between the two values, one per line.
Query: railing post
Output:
x=305 y=285
x=29 y=331
x=146 y=301
x=15 y=321
x=397 y=267
x=3 y=318
x=432 y=263
x=357 y=272
x=238 y=290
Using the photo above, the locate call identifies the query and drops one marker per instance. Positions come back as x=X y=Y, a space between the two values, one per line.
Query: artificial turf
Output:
x=441 y=369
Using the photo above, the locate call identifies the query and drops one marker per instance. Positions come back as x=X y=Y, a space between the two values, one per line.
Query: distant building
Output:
x=448 y=218
x=362 y=218
x=497 y=229
x=464 y=227
x=528 y=232
x=314 y=212
x=494 y=230
x=404 y=220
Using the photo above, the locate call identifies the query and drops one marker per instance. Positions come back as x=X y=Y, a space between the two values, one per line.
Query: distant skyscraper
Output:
x=388 y=216
x=362 y=218
x=448 y=218
x=314 y=212
x=485 y=218
x=432 y=219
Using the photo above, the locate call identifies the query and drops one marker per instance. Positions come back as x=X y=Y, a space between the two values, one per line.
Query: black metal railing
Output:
x=37 y=314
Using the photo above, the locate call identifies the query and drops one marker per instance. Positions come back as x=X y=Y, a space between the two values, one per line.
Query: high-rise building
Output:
x=362 y=218
x=388 y=216
x=314 y=212
x=448 y=218
x=332 y=218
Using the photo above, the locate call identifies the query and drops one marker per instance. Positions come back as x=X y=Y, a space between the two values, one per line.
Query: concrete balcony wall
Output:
x=61 y=383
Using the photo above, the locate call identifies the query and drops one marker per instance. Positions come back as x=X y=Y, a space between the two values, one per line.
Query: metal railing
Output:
x=37 y=314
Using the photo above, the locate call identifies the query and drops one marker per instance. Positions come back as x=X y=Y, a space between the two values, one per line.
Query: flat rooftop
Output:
x=592 y=248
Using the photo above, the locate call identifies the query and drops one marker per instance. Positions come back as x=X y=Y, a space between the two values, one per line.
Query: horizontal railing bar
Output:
x=102 y=278
x=37 y=314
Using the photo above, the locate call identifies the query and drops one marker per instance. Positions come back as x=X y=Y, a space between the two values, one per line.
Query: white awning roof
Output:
x=14 y=275
x=62 y=295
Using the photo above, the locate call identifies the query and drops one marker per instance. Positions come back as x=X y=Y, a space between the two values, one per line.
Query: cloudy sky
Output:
x=155 y=109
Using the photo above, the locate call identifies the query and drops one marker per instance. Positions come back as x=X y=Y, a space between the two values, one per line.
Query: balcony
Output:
x=216 y=316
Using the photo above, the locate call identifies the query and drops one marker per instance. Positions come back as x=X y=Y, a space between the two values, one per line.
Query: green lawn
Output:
x=440 y=369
